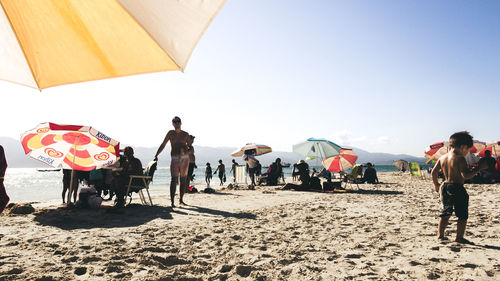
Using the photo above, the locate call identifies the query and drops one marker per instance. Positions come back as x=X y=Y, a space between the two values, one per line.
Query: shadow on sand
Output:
x=105 y=217
x=214 y=212
x=376 y=192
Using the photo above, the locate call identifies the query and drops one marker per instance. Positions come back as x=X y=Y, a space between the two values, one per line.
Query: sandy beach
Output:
x=384 y=231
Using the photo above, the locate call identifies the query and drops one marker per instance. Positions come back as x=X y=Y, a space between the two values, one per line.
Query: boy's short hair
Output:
x=461 y=138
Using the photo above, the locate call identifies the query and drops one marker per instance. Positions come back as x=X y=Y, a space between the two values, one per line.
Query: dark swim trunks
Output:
x=454 y=197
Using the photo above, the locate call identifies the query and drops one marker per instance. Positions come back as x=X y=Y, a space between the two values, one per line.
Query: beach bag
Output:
x=224 y=178
x=87 y=198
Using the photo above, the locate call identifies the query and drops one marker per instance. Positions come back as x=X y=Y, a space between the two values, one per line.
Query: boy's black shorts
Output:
x=454 y=197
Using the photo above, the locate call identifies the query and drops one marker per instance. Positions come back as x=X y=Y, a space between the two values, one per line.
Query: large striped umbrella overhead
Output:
x=344 y=161
x=317 y=148
x=45 y=43
x=79 y=148
x=259 y=149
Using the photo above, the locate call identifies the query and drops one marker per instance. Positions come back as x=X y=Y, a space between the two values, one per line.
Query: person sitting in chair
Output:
x=130 y=166
x=273 y=173
x=370 y=174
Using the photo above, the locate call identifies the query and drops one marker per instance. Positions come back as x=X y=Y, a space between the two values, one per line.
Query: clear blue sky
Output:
x=384 y=76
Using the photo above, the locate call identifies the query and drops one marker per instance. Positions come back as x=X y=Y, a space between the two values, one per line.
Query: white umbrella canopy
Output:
x=45 y=43
x=260 y=149
x=314 y=148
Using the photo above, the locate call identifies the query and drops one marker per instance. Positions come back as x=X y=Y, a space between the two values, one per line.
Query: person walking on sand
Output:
x=222 y=172
x=453 y=195
x=4 y=198
x=180 y=159
x=208 y=174
x=233 y=169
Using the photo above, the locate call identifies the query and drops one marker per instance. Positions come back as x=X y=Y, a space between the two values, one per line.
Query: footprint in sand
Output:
x=468 y=265
x=80 y=270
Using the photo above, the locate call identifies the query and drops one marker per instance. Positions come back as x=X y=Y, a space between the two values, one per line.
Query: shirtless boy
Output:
x=180 y=159
x=453 y=195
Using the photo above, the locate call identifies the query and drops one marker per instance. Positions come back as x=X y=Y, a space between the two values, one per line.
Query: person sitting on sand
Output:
x=452 y=192
x=303 y=174
x=489 y=174
x=222 y=172
x=4 y=198
x=131 y=166
x=370 y=175
x=208 y=174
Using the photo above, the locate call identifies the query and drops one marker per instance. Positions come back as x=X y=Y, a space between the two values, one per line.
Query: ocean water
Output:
x=30 y=185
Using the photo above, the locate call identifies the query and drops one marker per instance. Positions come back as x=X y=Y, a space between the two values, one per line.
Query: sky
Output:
x=384 y=76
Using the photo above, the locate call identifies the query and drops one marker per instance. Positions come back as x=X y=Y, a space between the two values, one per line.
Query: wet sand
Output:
x=384 y=231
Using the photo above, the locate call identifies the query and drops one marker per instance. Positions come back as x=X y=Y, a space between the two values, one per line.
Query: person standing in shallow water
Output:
x=179 y=163
x=4 y=198
x=208 y=174
x=222 y=172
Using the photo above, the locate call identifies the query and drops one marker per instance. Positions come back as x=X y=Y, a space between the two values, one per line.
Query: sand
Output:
x=385 y=231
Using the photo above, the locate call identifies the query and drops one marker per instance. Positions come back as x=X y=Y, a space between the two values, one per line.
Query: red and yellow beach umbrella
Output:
x=73 y=147
x=494 y=147
x=45 y=43
x=344 y=161
x=436 y=150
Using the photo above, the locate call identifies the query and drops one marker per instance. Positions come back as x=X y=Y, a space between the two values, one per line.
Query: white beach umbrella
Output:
x=259 y=149
x=45 y=43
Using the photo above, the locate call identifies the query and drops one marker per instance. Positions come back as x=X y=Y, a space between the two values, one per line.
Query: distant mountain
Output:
x=17 y=159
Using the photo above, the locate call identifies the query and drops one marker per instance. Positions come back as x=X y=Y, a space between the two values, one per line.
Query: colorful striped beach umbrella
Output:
x=494 y=147
x=436 y=150
x=477 y=146
x=259 y=149
x=344 y=161
x=72 y=147
x=45 y=43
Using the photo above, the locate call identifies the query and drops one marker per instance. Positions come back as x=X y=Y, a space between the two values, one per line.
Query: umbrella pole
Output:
x=72 y=171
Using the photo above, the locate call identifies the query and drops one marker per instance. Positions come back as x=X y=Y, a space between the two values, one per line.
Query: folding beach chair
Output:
x=138 y=183
x=241 y=175
x=415 y=170
x=354 y=176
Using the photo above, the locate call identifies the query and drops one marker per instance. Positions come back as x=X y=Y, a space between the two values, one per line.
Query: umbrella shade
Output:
x=259 y=149
x=314 y=148
x=46 y=43
x=402 y=165
x=70 y=147
x=494 y=147
x=434 y=151
x=344 y=161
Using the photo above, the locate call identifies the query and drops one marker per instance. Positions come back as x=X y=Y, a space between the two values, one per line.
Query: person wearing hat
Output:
x=179 y=164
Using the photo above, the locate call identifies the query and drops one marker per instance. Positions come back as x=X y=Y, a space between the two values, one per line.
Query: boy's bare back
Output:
x=453 y=166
